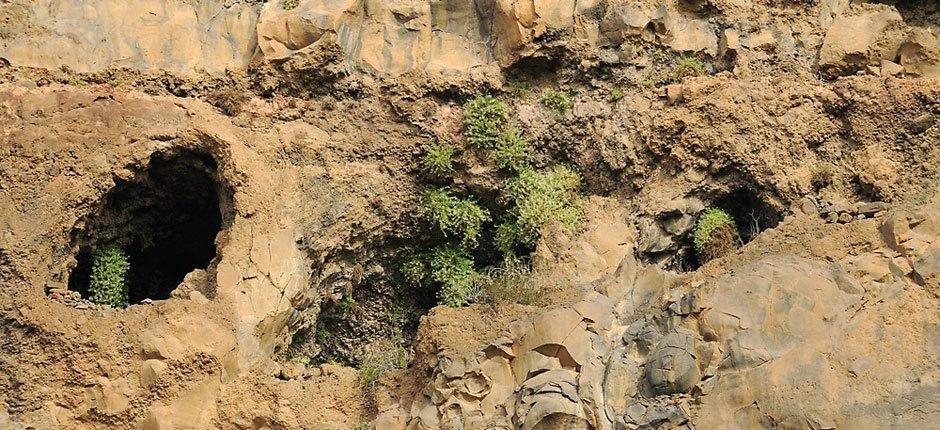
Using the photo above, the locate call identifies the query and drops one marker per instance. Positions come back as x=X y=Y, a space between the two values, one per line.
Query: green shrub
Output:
x=540 y=198
x=382 y=355
x=414 y=271
x=507 y=237
x=453 y=270
x=557 y=101
x=108 y=284
x=615 y=95
x=462 y=217
x=715 y=234
x=484 y=118
x=438 y=158
x=509 y=282
x=323 y=335
x=290 y=4
x=348 y=303
x=512 y=152
x=687 y=66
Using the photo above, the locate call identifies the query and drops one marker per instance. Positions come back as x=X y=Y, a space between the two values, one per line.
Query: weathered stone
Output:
x=851 y=40
x=922 y=123
x=175 y=35
x=872 y=208
x=673 y=367
x=150 y=372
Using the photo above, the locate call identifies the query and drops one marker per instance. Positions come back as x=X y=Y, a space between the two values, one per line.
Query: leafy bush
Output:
x=509 y=282
x=557 y=101
x=348 y=303
x=109 y=277
x=512 y=152
x=453 y=269
x=715 y=234
x=438 y=158
x=383 y=355
x=484 y=118
x=290 y=4
x=687 y=66
x=462 y=217
x=540 y=198
x=414 y=270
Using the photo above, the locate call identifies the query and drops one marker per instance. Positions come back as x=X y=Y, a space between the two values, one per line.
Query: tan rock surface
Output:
x=815 y=123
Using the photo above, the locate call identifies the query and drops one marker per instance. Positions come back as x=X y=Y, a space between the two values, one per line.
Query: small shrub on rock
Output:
x=686 y=67
x=438 y=158
x=615 y=95
x=484 y=118
x=108 y=284
x=453 y=270
x=229 y=101
x=291 y=4
x=715 y=235
x=414 y=270
x=509 y=282
x=540 y=198
x=461 y=217
x=512 y=152
x=557 y=101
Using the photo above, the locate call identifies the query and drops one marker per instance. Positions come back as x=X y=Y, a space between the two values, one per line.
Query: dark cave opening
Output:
x=165 y=219
x=751 y=214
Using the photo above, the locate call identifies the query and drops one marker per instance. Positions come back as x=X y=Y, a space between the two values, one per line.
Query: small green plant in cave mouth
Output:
x=108 y=284
x=534 y=198
x=715 y=235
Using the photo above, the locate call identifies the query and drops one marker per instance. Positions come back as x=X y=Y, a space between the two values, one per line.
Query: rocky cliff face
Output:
x=282 y=143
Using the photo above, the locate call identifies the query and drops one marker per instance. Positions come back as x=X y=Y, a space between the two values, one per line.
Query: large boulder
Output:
x=877 y=36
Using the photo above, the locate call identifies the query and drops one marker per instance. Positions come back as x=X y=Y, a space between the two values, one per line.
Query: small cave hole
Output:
x=165 y=219
x=751 y=214
x=669 y=241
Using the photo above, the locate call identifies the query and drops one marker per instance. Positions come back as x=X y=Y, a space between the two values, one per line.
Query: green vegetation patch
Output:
x=540 y=198
x=558 y=101
x=715 y=234
x=109 y=285
x=615 y=95
x=438 y=158
x=461 y=217
x=508 y=282
x=484 y=119
x=291 y=4
x=686 y=67
x=383 y=355
x=821 y=175
x=512 y=152
x=453 y=269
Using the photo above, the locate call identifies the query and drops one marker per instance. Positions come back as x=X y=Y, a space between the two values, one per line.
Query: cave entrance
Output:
x=165 y=219
x=751 y=214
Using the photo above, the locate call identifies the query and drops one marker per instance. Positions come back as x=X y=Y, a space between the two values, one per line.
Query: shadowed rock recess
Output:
x=487 y=214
